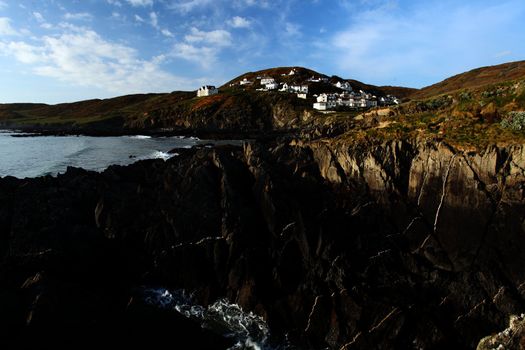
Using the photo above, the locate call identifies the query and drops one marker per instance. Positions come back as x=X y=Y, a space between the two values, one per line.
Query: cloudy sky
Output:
x=58 y=51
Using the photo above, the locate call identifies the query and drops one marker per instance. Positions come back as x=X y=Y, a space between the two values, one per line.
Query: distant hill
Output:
x=474 y=79
x=301 y=76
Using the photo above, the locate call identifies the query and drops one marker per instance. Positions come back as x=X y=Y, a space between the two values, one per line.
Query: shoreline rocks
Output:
x=391 y=246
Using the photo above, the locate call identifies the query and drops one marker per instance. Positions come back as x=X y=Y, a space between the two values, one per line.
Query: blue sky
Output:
x=59 y=51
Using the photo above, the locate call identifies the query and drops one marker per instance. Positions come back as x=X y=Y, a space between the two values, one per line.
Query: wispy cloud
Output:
x=83 y=58
x=186 y=6
x=167 y=33
x=202 y=47
x=154 y=20
x=218 y=37
x=139 y=19
x=138 y=3
x=239 y=22
x=42 y=21
x=5 y=27
x=115 y=3
x=3 y=5
x=81 y=16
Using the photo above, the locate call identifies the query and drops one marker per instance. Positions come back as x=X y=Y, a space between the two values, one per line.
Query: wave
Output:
x=140 y=137
x=249 y=331
x=160 y=155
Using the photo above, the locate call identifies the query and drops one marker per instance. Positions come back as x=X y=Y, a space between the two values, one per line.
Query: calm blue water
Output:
x=36 y=156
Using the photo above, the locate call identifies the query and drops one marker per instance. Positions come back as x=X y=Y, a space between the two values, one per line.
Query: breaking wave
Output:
x=249 y=331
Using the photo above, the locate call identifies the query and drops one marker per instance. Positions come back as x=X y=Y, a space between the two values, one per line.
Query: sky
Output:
x=56 y=51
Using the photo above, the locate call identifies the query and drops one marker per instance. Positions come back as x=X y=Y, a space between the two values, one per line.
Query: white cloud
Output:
x=291 y=29
x=247 y=3
x=114 y=2
x=137 y=3
x=167 y=33
x=139 y=19
x=201 y=47
x=3 y=5
x=218 y=37
x=154 y=20
x=6 y=28
x=40 y=19
x=188 y=5
x=23 y=52
x=82 y=16
x=239 y=22
x=204 y=56
x=38 y=16
x=83 y=58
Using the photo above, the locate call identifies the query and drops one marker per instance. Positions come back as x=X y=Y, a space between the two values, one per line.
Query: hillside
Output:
x=302 y=75
x=464 y=109
x=473 y=79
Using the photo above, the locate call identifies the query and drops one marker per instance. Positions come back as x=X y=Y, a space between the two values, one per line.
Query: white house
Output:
x=272 y=86
x=285 y=87
x=292 y=72
x=343 y=85
x=299 y=88
x=325 y=101
x=320 y=106
x=207 y=90
x=245 y=82
x=267 y=80
x=302 y=95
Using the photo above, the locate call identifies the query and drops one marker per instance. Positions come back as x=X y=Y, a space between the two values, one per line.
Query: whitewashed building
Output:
x=245 y=82
x=325 y=102
x=343 y=85
x=267 y=80
x=272 y=86
x=299 y=88
x=207 y=90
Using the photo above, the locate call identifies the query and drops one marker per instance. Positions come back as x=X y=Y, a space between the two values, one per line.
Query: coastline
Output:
x=292 y=233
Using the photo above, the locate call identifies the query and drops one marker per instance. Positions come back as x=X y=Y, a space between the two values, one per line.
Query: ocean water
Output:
x=37 y=156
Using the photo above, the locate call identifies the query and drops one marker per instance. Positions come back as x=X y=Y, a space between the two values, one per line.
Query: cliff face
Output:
x=401 y=244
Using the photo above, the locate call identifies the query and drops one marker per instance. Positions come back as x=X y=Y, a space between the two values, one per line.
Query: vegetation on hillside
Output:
x=472 y=109
x=467 y=118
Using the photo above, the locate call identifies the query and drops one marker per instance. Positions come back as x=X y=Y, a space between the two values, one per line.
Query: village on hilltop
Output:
x=346 y=97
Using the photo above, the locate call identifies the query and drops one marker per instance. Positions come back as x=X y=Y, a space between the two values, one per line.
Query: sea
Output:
x=23 y=155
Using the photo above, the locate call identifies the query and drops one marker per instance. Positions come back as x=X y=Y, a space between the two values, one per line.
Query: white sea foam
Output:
x=249 y=331
x=161 y=155
x=140 y=137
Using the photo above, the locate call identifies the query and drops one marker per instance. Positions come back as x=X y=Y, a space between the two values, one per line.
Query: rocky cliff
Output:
x=402 y=244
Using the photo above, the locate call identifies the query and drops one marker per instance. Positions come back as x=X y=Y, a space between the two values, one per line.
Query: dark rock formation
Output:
x=397 y=245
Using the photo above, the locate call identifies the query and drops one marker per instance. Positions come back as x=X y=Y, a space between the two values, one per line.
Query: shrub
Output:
x=464 y=96
x=514 y=121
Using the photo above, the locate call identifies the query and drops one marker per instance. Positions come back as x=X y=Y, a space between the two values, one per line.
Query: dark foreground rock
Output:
x=390 y=246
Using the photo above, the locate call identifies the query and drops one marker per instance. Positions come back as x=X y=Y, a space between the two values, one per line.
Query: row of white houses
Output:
x=353 y=100
x=325 y=101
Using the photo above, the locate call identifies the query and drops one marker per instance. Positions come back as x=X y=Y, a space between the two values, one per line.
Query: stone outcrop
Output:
x=339 y=245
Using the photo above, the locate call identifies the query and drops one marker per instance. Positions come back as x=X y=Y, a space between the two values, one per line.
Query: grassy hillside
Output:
x=474 y=79
x=468 y=118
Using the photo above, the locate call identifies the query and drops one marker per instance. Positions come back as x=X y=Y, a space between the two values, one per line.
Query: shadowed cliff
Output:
x=339 y=245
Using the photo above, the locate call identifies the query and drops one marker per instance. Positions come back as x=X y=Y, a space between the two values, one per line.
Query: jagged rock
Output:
x=513 y=337
x=336 y=244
